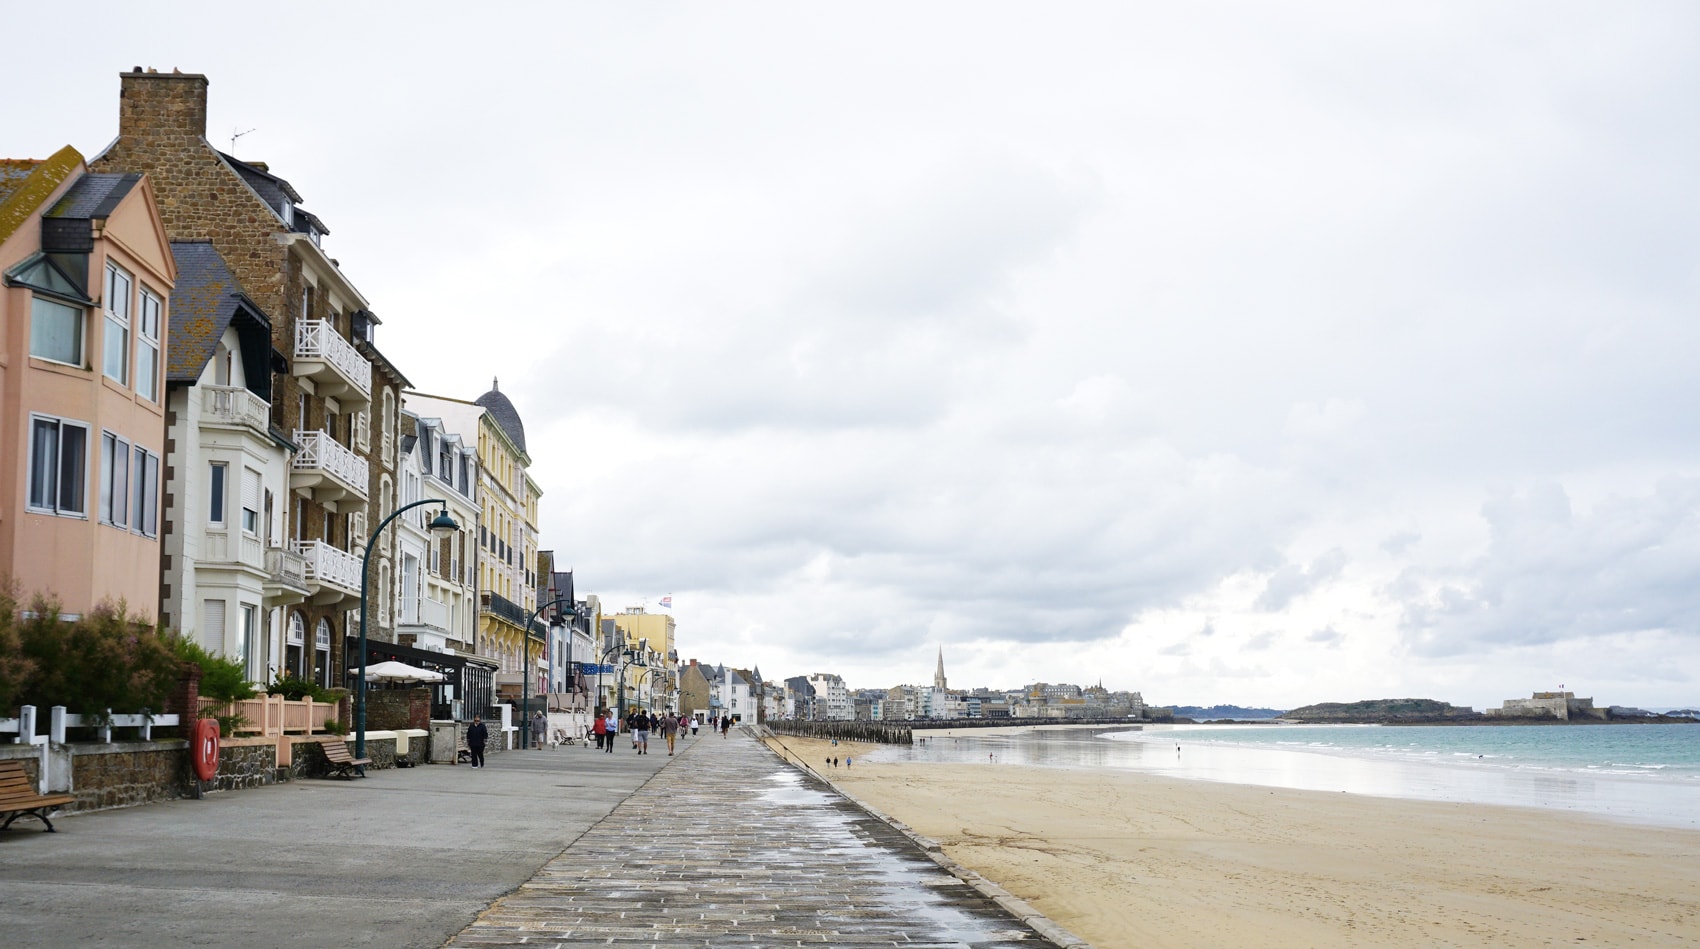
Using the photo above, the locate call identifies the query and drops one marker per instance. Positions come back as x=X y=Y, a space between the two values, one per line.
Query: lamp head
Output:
x=443 y=522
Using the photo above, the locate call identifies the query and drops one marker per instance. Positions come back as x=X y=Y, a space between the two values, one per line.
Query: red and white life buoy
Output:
x=204 y=748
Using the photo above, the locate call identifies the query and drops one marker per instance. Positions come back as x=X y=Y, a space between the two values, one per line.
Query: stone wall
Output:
x=308 y=759
x=123 y=774
x=395 y=709
x=243 y=766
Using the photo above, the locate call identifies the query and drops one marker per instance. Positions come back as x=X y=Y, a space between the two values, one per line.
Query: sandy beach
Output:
x=1128 y=859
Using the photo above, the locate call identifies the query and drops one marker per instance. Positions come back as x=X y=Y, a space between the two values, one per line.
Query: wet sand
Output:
x=1129 y=859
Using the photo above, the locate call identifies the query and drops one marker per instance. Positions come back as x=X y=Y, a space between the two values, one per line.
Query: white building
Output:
x=228 y=574
x=436 y=577
x=832 y=699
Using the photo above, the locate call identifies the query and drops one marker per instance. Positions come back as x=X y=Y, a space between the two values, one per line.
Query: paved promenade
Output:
x=722 y=845
x=403 y=858
x=730 y=847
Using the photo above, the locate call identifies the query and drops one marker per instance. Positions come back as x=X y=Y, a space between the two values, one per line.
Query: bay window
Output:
x=114 y=480
x=58 y=465
x=115 y=353
x=56 y=331
x=147 y=347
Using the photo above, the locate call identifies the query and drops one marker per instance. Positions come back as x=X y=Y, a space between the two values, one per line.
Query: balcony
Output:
x=327 y=469
x=335 y=366
x=424 y=611
x=331 y=574
x=286 y=577
x=236 y=407
x=232 y=547
x=510 y=611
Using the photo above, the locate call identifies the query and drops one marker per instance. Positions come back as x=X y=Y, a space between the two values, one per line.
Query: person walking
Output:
x=539 y=729
x=693 y=726
x=476 y=737
x=610 y=729
x=640 y=731
x=599 y=728
x=669 y=731
x=725 y=725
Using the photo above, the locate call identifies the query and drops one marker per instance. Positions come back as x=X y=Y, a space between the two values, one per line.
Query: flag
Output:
x=667 y=602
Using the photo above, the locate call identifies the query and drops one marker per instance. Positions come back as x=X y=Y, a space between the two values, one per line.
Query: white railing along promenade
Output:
x=326 y=564
x=59 y=720
x=234 y=405
x=320 y=452
x=318 y=339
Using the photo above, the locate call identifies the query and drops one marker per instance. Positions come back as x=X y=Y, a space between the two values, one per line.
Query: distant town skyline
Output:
x=1258 y=355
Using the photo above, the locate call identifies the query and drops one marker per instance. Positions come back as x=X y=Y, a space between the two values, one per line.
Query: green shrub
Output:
x=223 y=679
x=336 y=727
x=295 y=688
x=104 y=660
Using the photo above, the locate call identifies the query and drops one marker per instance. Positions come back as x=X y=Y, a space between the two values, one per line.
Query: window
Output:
x=322 y=653
x=249 y=645
x=294 y=655
x=302 y=405
x=147 y=348
x=58 y=456
x=250 y=501
x=212 y=626
x=56 y=331
x=114 y=480
x=115 y=354
x=146 y=506
x=330 y=524
x=216 y=481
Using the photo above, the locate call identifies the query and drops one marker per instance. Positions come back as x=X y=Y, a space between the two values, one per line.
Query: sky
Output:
x=1229 y=353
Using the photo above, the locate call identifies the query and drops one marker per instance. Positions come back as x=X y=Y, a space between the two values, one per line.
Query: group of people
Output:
x=639 y=724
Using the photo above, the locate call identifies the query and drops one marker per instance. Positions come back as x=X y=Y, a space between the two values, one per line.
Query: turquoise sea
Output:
x=1639 y=773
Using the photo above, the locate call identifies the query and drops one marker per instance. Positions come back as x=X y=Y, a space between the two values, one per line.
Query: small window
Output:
x=114 y=480
x=217 y=480
x=56 y=331
x=147 y=348
x=250 y=501
x=115 y=353
x=145 y=508
x=58 y=465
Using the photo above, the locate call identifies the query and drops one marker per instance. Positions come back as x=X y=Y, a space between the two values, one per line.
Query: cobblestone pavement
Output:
x=728 y=846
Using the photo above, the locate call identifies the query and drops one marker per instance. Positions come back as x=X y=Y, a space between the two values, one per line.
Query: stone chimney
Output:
x=155 y=104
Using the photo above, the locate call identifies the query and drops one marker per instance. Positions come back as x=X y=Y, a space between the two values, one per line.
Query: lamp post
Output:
x=442 y=522
x=525 y=671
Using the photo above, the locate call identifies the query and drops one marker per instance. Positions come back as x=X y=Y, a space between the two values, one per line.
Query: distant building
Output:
x=1563 y=706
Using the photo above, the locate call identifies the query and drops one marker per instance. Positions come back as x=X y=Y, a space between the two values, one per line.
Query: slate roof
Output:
x=273 y=190
x=206 y=300
x=503 y=412
x=93 y=197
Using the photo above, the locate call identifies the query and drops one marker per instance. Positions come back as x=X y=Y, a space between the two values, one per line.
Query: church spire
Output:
x=938 y=676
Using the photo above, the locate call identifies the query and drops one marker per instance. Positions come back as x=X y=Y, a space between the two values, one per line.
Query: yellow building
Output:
x=655 y=631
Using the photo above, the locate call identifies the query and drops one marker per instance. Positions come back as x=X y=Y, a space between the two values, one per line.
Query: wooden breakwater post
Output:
x=880 y=732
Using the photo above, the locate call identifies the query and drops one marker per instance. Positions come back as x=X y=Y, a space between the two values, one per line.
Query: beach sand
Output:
x=1127 y=859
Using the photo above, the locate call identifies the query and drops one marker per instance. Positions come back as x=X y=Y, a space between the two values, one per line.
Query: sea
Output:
x=1646 y=774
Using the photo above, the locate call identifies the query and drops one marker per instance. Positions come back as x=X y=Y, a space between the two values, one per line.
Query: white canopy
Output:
x=393 y=671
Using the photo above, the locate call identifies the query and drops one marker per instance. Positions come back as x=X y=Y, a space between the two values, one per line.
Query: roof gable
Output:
x=26 y=184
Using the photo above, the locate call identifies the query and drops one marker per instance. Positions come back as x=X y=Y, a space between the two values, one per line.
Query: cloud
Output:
x=1328 y=636
x=1262 y=641
x=1292 y=581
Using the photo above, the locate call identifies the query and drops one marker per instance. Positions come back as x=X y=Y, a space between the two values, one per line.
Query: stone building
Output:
x=1563 y=706
x=329 y=372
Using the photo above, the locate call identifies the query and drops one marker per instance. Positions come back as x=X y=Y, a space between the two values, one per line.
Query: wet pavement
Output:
x=728 y=846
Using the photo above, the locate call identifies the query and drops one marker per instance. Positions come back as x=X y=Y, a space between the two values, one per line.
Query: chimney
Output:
x=154 y=104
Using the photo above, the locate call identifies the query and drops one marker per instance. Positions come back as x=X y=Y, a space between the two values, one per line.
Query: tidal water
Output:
x=1640 y=773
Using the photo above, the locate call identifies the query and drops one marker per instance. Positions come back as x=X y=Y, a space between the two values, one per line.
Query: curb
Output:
x=1012 y=904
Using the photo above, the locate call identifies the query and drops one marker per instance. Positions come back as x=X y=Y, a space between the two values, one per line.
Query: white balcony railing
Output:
x=234 y=405
x=317 y=342
x=424 y=611
x=322 y=453
x=327 y=565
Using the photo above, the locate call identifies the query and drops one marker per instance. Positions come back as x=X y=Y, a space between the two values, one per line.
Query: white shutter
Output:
x=212 y=626
x=250 y=500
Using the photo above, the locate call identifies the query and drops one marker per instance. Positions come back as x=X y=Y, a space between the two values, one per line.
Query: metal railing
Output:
x=234 y=405
x=318 y=339
x=320 y=452
x=326 y=564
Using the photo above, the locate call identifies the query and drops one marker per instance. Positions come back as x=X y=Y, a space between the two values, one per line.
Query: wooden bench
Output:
x=344 y=765
x=18 y=797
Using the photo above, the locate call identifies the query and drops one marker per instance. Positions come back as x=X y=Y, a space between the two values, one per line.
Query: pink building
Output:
x=87 y=279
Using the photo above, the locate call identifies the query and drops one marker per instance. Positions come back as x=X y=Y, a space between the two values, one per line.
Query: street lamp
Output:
x=525 y=671
x=442 y=522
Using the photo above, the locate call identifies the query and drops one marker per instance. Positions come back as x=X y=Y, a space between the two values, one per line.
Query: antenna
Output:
x=234 y=135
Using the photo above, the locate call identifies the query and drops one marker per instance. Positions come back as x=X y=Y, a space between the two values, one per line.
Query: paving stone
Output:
x=728 y=846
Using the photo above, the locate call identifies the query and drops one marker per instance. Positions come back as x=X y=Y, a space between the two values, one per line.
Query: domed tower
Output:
x=503 y=413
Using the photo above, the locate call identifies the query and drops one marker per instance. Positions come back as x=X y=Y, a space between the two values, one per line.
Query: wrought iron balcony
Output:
x=328 y=469
x=335 y=366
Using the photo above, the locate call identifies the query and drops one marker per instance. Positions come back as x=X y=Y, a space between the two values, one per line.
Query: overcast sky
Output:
x=1265 y=354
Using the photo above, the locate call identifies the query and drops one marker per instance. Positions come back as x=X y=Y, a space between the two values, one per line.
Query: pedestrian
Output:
x=725 y=725
x=476 y=735
x=610 y=728
x=539 y=729
x=640 y=731
x=848 y=762
x=693 y=726
x=600 y=729
x=669 y=731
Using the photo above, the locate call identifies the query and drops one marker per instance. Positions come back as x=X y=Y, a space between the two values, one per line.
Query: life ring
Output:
x=204 y=750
